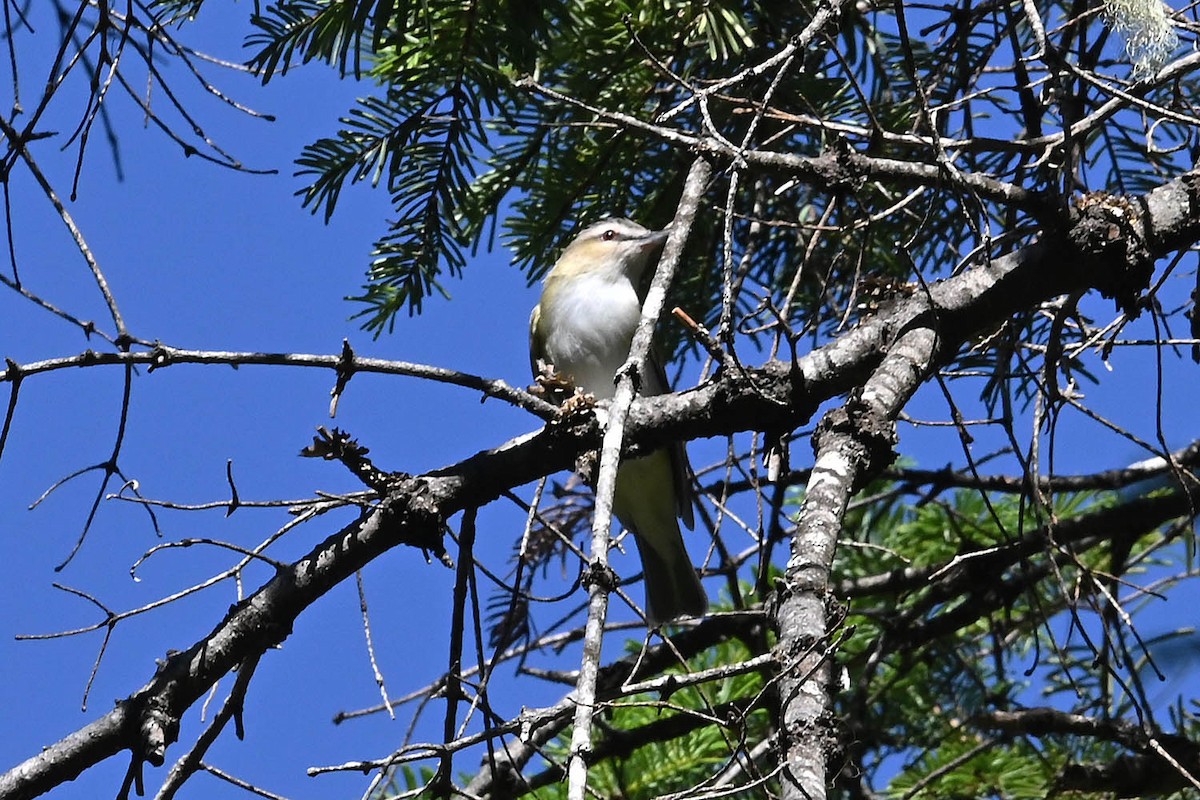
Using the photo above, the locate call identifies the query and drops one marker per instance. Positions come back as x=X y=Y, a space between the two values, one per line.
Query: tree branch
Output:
x=610 y=456
x=1095 y=252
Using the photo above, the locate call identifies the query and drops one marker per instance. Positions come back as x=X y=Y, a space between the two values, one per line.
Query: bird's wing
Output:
x=654 y=381
x=681 y=474
x=537 y=348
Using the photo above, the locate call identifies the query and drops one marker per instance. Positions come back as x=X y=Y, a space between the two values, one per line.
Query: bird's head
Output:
x=618 y=246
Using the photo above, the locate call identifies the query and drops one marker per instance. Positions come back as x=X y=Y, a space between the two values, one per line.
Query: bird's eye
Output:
x=608 y=235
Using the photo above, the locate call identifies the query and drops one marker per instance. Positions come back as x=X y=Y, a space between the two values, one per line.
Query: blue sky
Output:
x=207 y=258
x=203 y=257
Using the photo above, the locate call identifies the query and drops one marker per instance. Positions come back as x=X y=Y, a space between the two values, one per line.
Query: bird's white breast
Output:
x=588 y=326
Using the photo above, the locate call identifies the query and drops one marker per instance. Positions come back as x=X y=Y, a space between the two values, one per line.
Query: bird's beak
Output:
x=655 y=240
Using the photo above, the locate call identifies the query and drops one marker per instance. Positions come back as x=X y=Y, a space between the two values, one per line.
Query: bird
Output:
x=581 y=330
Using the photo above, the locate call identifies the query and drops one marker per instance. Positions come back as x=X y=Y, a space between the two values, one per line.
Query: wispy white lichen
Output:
x=1150 y=38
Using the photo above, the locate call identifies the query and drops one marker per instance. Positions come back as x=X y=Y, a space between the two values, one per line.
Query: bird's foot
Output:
x=579 y=401
x=550 y=384
x=561 y=390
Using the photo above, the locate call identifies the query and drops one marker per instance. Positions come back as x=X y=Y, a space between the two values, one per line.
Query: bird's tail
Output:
x=673 y=589
x=645 y=502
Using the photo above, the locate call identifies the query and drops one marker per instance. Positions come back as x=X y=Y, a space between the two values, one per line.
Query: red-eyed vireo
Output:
x=583 y=328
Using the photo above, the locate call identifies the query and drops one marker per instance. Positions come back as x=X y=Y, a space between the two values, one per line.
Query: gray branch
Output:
x=1107 y=246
